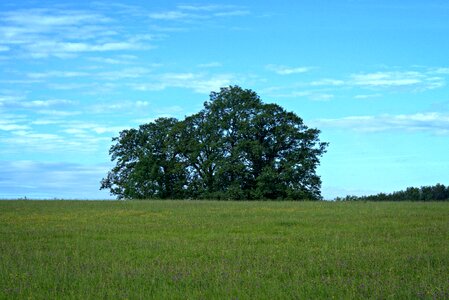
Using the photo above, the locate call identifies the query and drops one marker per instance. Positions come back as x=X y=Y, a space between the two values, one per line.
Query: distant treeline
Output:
x=438 y=192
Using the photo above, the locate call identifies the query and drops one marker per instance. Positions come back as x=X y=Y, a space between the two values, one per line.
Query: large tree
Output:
x=236 y=147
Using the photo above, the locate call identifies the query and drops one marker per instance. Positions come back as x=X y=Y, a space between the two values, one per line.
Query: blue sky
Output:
x=371 y=75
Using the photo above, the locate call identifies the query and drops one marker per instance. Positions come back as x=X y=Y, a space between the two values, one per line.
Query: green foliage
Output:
x=236 y=147
x=148 y=162
x=438 y=192
x=223 y=250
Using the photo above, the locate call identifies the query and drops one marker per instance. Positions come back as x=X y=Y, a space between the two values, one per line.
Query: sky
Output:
x=372 y=75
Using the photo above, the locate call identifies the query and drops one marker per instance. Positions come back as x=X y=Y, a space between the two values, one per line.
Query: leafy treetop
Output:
x=236 y=147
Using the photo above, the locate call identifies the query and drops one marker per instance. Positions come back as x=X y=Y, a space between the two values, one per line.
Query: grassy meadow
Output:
x=230 y=250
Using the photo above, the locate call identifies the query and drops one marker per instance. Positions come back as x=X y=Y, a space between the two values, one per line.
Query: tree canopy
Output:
x=236 y=147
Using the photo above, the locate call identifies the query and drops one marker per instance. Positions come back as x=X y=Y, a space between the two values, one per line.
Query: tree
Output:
x=236 y=147
x=148 y=163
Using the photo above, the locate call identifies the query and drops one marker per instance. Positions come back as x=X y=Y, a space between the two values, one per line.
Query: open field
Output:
x=192 y=249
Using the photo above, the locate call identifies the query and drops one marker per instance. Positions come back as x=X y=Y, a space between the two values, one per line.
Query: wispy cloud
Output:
x=6 y=99
x=284 y=70
x=211 y=7
x=36 y=19
x=197 y=12
x=409 y=79
x=128 y=106
x=32 y=141
x=388 y=81
x=46 y=48
x=367 y=96
x=294 y=92
x=136 y=72
x=233 y=13
x=117 y=60
x=328 y=82
x=6 y=125
x=50 y=74
x=434 y=122
x=64 y=136
x=441 y=70
x=210 y=65
x=69 y=86
x=11 y=122
x=198 y=82
x=31 y=179
x=42 y=33
x=118 y=74
x=172 y=15
x=46 y=103
x=58 y=113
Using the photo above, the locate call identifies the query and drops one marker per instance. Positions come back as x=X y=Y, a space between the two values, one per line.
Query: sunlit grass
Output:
x=194 y=249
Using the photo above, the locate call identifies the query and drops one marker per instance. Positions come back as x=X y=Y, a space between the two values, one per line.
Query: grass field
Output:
x=230 y=250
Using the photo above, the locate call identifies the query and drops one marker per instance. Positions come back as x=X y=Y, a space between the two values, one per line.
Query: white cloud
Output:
x=283 y=70
x=62 y=33
x=12 y=122
x=434 y=122
x=46 y=122
x=142 y=103
x=69 y=86
x=50 y=74
x=46 y=103
x=75 y=132
x=45 y=18
x=387 y=79
x=33 y=135
x=136 y=72
x=12 y=127
x=38 y=180
x=328 y=82
x=212 y=7
x=171 y=15
x=210 y=65
x=441 y=71
x=200 y=83
x=117 y=60
x=101 y=108
x=407 y=79
x=367 y=96
x=10 y=99
x=46 y=48
x=198 y=12
x=376 y=83
x=169 y=110
x=315 y=95
x=64 y=137
x=131 y=107
x=110 y=129
x=20 y=81
x=233 y=13
x=78 y=127
x=415 y=81
x=22 y=27
x=58 y=113
x=321 y=96
x=4 y=48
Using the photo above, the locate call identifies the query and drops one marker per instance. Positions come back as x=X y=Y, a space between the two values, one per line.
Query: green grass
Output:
x=230 y=250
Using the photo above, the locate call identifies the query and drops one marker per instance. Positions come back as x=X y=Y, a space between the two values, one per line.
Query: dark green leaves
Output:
x=237 y=147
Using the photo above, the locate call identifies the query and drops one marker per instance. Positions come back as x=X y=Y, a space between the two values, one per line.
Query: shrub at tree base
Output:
x=236 y=148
